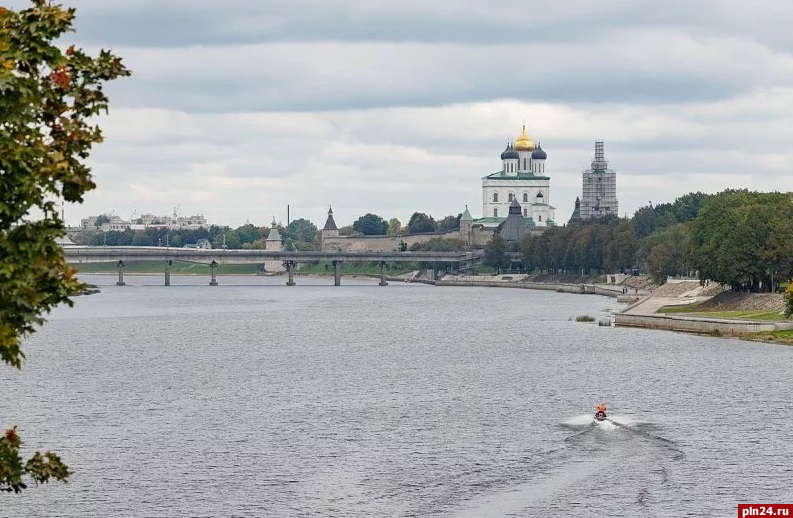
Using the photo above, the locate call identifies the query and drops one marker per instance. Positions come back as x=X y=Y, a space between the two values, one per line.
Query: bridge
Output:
x=217 y=257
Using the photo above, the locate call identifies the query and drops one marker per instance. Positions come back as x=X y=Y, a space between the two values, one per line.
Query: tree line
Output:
x=419 y=223
x=299 y=234
x=740 y=238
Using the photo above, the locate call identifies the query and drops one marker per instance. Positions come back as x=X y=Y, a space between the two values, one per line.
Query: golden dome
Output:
x=524 y=143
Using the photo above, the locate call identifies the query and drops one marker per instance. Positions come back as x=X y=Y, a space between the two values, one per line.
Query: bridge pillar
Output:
x=337 y=273
x=290 y=270
x=382 y=274
x=213 y=267
x=168 y=264
x=120 y=265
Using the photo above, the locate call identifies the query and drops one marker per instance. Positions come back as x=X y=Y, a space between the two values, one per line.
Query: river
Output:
x=255 y=399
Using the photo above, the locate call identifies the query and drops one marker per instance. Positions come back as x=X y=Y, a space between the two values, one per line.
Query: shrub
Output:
x=789 y=300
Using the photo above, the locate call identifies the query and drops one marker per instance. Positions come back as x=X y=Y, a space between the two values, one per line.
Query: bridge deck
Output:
x=87 y=254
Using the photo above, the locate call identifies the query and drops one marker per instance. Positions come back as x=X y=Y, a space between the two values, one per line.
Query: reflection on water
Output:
x=257 y=399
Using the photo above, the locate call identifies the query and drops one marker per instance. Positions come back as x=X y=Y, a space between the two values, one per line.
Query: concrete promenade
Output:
x=644 y=313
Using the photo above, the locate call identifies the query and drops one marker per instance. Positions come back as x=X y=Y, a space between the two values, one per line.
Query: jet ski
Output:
x=600 y=416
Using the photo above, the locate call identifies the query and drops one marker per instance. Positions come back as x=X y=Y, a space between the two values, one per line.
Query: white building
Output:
x=522 y=177
x=599 y=193
x=174 y=222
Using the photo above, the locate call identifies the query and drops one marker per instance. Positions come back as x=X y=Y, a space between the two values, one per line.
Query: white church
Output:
x=522 y=178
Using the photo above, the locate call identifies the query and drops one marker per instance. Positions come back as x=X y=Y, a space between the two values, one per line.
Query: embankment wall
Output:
x=564 y=288
x=697 y=325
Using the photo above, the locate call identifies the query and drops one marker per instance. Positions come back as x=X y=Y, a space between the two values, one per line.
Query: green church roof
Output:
x=501 y=175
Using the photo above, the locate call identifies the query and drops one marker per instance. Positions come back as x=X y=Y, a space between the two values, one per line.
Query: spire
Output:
x=330 y=223
x=274 y=235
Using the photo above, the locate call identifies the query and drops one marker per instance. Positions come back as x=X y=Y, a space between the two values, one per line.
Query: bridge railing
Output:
x=102 y=253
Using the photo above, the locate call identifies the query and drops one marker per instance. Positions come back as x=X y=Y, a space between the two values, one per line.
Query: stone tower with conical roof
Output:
x=273 y=243
x=514 y=227
x=577 y=211
x=329 y=230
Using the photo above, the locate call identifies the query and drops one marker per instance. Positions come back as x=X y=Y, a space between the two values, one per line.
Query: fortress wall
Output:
x=379 y=243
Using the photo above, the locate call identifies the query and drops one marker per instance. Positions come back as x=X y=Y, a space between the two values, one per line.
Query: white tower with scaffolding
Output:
x=599 y=196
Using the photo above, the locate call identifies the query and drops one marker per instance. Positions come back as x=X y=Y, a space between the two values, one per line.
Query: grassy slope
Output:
x=780 y=337
x=694 y=311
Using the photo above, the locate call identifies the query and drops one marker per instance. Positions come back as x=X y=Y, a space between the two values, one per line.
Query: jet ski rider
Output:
x=602 y=409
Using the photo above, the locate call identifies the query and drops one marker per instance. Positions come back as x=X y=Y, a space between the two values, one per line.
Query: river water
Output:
x=256 y=399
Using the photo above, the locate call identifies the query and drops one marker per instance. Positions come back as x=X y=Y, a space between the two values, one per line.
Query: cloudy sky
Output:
x=237 y=108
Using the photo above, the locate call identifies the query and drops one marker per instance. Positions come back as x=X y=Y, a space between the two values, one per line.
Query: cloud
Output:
x=633 y=67
x=393 y=161
x=238 y=108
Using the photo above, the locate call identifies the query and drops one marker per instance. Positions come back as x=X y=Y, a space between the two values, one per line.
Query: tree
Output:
x=347 y=231
x=301 y=230
x=248 y=233
x=370 y=225
x=496 y=252
x=48 y=104
x=645 y=221
x=742 y=239
x=438 y=244
x=394 y=226
x=666 y=252
x=421 y=223
x=789 y=299
x=101 y=220
x=621 y=249
x=448 y=223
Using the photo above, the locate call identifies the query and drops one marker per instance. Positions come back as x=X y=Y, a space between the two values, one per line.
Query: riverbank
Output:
x=693 y=308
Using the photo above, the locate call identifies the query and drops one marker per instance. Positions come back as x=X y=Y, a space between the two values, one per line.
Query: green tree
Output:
x=301 y=230
x=421 y=223
x=666 y=252
x=370 y=225
x=789 y=299
x=448 y=223
x=50 y=100
x=347 y=231
x=496 y=253
x=741 y=238
x=645 y=221
x=249 y=233
x=621 y=249
x=101 y=220
x=394 y=226
x=439 y=244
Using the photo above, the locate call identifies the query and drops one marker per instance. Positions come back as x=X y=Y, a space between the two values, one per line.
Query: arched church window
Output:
x=525 y=197
x=540 y=217
x=509 y=198
x=495 y=196
x=524 y=164
x=495 y=213
x=525 y=213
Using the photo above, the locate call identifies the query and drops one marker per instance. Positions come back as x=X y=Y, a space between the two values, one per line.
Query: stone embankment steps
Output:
x=711 y=297
x=672 y=294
